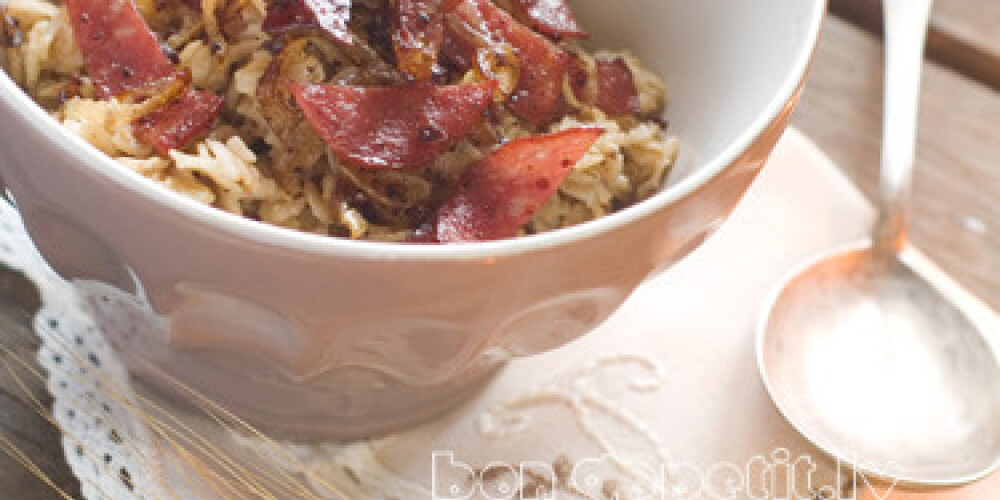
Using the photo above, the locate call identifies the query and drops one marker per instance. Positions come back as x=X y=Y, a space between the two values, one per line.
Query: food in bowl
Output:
x=392 y=120
x=348 y=339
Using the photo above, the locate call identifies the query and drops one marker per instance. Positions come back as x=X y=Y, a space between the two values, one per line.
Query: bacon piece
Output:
x=119 y=50
x=550 y=17
x=542 y=65
x=418 y=32
x=393 y=127
x=331 y=16
x=179 y=122
x=122 y=55
x=617 y=94
x=501 y=193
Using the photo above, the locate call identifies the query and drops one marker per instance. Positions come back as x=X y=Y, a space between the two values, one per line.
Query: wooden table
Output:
x=957 y=187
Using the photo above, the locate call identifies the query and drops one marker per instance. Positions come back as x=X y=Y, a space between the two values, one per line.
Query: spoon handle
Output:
x=906 y=24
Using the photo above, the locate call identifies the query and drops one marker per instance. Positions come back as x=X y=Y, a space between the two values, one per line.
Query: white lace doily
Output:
x=100 y=441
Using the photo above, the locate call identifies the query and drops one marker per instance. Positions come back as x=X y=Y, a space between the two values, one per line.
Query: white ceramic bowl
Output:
x=313 y=335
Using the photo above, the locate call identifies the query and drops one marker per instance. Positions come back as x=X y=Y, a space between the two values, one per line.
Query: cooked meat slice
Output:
x=396 y=127
x=500 y=194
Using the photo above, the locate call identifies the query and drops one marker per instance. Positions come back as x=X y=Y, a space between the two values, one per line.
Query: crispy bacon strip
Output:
x=542 y=65
x=179 y=122
x=396 y=127
x=553 y=18
x=502 y=192
x=617 y=94
x=331 y=16
x=119 y=50
x=122 y=55
x=614 y=90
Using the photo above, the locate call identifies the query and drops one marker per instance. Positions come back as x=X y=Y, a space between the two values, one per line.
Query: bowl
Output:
x=305 y=335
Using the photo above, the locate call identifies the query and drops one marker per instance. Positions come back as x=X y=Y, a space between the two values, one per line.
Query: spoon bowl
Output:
x=881 y=368
x=870 y=351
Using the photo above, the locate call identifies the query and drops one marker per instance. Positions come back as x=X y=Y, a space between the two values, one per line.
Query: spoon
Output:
x=870 y=351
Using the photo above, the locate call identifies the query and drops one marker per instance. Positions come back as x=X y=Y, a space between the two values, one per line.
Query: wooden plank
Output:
x=964 y=36
x=976 y=21
x=967 y=35
x=20 y=423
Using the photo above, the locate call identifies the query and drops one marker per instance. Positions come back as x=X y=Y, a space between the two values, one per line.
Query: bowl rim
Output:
x=41 y=122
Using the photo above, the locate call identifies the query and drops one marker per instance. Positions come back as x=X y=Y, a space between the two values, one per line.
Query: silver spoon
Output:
x=871 y=352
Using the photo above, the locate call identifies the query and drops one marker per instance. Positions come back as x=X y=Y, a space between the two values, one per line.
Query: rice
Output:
x=241 y=167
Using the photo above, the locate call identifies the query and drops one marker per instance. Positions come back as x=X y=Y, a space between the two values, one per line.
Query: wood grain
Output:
x=976 y=22
x=964 y=36
x=20 y=423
